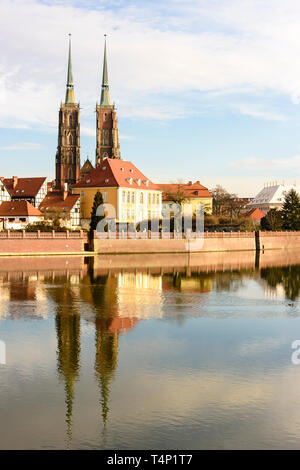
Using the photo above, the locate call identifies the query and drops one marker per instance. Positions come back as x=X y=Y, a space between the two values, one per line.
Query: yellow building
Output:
x=133 y=196
x=190 y=193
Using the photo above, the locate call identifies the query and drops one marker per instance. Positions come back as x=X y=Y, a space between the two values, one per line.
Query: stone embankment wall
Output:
x=209 y=242
x=30 y=243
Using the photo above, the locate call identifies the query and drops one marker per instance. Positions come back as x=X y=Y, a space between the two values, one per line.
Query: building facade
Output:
x=194 y=194
x=271 y=196
x=32 y=190
x=107 y=134
x=133 y=196
x=68 y=148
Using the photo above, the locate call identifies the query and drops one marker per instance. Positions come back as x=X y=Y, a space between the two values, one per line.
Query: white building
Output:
x=272 y=196
x=17 y=214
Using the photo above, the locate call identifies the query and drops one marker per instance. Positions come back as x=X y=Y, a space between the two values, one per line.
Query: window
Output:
x=70 y=140
x=105 y=117
x=104 y=168
x=22 y=219
x=157 y=199
x=71 y=121
x=106 y=180
x=105 y=196
x=123 y=196
x=128 y=196
x=149 y=198
x=70 y=174
x=11 y=219
x=141 y=198
x=70 y=158
x=153 y=199
x=132 y=197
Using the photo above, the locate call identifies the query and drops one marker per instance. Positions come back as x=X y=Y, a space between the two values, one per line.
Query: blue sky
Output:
x=205 y=91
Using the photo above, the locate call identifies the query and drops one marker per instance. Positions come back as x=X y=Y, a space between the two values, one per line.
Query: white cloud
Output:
x=258 y=112
x=23 y=146
x=272 y=164
x=184 y=48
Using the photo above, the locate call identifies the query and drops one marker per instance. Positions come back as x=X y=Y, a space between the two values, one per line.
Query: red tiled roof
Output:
x=190 y=190
x=255 y=214
x=25 y=187
x=54 y=199
x=115 y=173
x=18 y=208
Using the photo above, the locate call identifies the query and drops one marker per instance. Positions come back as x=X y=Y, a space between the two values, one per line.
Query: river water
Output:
x=150 y=352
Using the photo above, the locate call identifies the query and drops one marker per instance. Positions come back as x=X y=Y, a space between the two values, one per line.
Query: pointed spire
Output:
x=105 y=99
x=70 y=97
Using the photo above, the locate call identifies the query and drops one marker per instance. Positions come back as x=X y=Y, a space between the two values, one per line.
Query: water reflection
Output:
x=113 y=300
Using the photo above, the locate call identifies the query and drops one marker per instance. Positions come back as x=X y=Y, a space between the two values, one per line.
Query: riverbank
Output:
x=76 y=243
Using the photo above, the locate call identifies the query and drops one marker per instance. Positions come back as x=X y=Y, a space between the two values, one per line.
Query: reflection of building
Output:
x=192 y=283
x=67 y=322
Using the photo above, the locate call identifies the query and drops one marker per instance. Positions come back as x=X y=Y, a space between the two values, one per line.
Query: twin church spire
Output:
x=107 y=139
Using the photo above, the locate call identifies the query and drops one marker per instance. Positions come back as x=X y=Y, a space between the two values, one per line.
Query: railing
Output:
x=42 y=235
x=169 y=235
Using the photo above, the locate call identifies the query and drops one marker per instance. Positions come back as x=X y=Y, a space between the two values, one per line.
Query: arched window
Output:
x=105 y=117
x=70 y=174
x=70 y=158
x=70 y=140
x=71 y=120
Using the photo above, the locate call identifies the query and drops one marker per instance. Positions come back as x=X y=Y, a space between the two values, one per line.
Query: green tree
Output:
x=98 y=201
x=291 y=211
x=272 y=220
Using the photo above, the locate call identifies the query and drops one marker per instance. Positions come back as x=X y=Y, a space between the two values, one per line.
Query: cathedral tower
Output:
x=107 y=122
x=68 y=149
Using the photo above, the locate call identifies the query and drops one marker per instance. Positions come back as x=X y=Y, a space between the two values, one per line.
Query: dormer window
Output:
x=88 y=181
x=106 y=180
x=104 y=168
x=122 y=169
x=131 y=170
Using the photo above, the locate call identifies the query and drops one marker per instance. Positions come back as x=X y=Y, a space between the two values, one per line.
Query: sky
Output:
x=204 y=90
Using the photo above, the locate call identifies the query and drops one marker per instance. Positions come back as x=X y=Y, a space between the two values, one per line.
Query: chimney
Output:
x=65 y=191
x=15 y=181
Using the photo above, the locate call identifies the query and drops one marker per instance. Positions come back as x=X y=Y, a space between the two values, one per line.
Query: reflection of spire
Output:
x=106 y=360
x=68 y=347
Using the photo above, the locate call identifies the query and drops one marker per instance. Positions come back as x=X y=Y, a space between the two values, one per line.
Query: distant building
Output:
x=17 y=214
x=122 y=185
x=271 y=197
x=194 y=193
x=29 y=189
x=68 y=205
x=254 y=214
x=86 y=168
